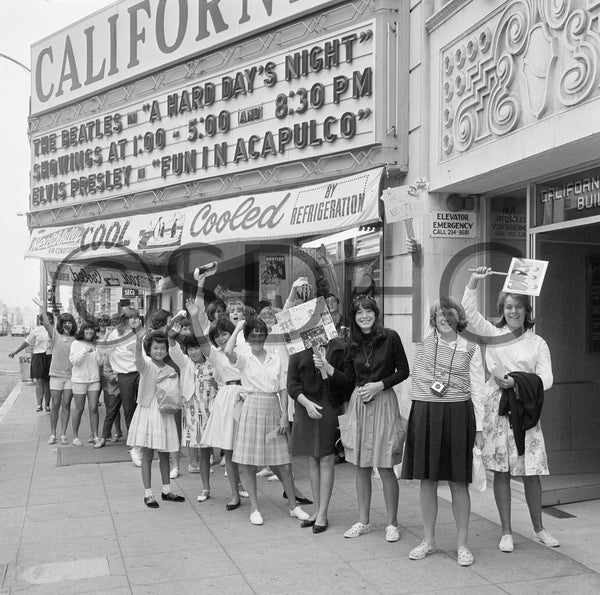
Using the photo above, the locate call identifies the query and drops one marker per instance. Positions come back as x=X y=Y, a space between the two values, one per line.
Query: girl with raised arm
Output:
x=261 y=437
x=511 y=350
x=61 y=339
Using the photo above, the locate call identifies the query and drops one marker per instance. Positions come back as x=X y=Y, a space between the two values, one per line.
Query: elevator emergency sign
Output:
x=452 y=224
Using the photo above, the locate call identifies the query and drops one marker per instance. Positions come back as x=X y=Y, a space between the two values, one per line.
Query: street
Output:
x=9 y=368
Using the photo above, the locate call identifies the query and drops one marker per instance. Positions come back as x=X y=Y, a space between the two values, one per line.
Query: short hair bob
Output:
x=524 y=300
x=211 y=309
x=155 y=337
x=80 y=335
x=190 y=342
x=255 y=324
x=453 y=311
x=223 y=325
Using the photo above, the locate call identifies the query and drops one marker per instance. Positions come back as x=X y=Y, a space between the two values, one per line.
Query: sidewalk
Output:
x=84 y=529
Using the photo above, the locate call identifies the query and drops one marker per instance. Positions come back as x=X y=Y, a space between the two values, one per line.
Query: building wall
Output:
x=514 y=96
x=514 y=89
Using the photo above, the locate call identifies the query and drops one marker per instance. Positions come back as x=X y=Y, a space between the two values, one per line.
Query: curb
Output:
x=10 y=401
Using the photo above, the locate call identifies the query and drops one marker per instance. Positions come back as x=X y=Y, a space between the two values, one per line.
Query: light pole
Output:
x=20 y=64
x=42 y=269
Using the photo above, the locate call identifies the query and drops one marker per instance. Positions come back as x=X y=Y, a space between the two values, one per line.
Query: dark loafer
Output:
x=320 y=528
x=150 y=502
x=230 y=506
x=307 y=523
x=171 y=497
x=299 y=500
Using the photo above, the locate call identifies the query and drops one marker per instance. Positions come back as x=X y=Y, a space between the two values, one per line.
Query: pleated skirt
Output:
x=222 y=424
x=260 y=415
x=439 y=442
x=377 y=424
x=152 y=429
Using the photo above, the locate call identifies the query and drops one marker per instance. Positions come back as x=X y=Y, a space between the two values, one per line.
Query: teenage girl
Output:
x=198 y=390
x=150 y=429
x=86 y=379
x=222 y=423
x=61 y=394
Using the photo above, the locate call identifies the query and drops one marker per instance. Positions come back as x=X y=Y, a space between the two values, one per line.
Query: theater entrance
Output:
x=568 y=318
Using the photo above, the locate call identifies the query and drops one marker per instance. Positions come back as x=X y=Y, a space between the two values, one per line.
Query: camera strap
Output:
x=435 y=357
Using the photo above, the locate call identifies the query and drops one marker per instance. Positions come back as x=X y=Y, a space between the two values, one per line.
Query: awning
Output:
x=306 y=211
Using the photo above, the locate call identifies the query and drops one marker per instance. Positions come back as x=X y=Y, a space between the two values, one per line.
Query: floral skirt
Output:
x=195 y=414
x=499 y=448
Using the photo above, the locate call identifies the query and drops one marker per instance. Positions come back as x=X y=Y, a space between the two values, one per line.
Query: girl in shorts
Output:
x=85 y=379
x=61 y=394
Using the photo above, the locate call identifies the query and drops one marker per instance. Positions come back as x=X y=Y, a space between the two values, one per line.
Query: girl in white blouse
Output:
x=511 y=346
x=261 y=437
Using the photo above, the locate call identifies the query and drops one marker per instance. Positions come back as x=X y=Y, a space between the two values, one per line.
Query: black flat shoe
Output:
x=320 y=528
x=307 y=523
x=150 y=502
x=299 y=500
x=230 y=506
x=171 y=497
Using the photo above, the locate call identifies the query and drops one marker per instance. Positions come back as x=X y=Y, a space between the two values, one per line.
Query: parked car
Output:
x=19 y=330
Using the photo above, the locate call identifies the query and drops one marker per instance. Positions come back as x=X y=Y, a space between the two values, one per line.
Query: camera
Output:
x=439 y=388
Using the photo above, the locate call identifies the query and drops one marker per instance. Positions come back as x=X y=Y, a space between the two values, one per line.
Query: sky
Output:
x=19 y=277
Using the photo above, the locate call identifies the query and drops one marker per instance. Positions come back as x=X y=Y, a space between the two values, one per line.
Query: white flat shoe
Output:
x=299 y=514
x=546 y=539
x=256 y=518
x=506 y=544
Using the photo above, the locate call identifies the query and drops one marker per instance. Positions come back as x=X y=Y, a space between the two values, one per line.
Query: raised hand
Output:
x=481 y=272
x=192 y=307
x=174 y=328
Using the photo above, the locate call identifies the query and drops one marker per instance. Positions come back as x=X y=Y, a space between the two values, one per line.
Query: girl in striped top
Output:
x=445 y=422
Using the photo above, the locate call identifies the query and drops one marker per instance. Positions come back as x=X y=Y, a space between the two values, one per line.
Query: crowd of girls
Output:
x=237 y=385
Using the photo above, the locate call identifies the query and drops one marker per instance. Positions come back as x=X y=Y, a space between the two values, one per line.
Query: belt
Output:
x=230 y=382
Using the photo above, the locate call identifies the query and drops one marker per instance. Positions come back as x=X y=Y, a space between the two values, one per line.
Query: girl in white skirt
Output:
x=261 y=437
x=150 y=429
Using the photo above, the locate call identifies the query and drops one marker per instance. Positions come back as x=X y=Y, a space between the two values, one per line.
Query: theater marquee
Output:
x=308 y=100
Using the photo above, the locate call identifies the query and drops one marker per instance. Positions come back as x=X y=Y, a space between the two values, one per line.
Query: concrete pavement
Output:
x=84 y=529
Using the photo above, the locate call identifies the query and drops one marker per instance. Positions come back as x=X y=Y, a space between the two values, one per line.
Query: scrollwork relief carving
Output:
x=527 y=62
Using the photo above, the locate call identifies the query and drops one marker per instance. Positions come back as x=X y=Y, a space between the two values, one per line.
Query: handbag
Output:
x=348 y=429
x=400 y=425
x=168 y=394
x=479 y=477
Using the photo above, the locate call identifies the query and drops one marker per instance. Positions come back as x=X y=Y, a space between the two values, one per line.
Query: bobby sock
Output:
x=148 y=493
x=166 y=488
